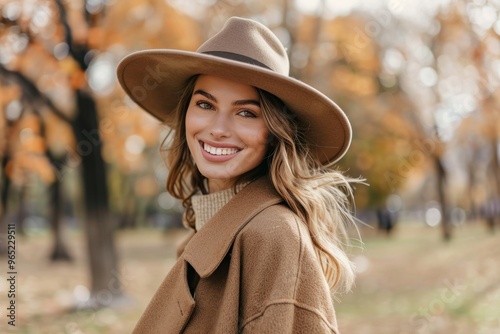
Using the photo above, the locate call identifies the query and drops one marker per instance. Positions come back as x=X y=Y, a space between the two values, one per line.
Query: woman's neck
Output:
x=216 y=185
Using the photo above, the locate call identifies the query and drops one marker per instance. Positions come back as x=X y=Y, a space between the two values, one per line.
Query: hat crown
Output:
x=251 y=42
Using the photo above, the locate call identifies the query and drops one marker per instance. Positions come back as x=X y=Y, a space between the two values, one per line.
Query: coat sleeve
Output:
x=283 y=288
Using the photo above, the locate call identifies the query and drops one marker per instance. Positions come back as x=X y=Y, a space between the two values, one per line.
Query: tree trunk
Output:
x=441 y=189
x=59 y=251
x=496 y=165
x=105 y=285
x=4 y=194
x=128 y=216
x=496 y=193
x=22 y=212
x=490 y=209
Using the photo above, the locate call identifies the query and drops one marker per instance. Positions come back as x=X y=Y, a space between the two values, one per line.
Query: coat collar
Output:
x=209 y=246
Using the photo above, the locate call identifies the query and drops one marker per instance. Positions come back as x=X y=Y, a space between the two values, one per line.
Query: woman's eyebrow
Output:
x=245 y=102
x=235 y=103
x=206 y=94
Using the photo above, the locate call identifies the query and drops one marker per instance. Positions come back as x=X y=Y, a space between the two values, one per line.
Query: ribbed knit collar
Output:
x=205 y=206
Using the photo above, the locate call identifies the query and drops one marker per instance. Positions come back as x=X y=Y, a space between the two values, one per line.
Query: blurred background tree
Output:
x=420 y=87
x=58 y=66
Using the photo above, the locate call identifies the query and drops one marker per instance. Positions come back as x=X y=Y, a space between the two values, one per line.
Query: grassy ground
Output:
x=415 y=283
x=409 y=283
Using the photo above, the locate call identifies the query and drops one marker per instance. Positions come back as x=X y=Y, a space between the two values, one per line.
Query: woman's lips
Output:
x=218 y=154
x=219 y=150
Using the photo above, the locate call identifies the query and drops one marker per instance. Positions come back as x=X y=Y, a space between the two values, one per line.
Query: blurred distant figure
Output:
x=491 y=213
x=385 y=221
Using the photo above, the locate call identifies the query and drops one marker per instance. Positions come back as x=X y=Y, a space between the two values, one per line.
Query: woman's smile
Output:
x=218 y=154
x=214 y=150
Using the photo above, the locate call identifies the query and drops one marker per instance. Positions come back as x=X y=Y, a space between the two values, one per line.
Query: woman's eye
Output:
x=204 y=105
x=247 y=113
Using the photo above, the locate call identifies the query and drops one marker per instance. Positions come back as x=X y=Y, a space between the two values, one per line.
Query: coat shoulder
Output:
x=277 y=224
x=276 y=229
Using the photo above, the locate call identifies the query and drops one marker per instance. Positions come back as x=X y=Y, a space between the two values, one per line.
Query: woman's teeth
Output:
x=219 y=150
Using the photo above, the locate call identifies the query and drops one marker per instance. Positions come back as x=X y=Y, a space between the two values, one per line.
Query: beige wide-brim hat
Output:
x=244 y=51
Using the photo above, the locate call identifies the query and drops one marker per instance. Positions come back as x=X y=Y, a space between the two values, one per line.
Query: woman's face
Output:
x=225 y=130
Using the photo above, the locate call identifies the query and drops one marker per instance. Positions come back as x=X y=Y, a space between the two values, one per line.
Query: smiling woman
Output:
x=225 y=130
x=250 y=157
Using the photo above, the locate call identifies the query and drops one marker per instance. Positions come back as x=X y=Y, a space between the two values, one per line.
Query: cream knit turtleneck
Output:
x=206 y=206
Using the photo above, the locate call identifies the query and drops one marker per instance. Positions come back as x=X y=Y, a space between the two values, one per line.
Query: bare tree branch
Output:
x=76 y=51
x=31 y=93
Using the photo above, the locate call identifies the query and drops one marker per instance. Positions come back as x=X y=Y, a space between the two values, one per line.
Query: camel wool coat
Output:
x=251 y=269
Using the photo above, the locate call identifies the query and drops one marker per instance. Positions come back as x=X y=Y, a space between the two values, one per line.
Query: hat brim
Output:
x=155 y=79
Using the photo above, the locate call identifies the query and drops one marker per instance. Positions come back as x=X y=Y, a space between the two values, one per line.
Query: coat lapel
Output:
x=209 y=246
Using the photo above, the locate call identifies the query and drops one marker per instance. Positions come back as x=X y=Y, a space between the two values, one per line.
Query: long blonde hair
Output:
x=319 y=195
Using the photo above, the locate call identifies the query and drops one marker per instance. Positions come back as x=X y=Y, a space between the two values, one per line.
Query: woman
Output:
x=250 y=158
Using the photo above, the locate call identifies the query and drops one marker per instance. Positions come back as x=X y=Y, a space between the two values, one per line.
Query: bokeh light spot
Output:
x=432 y=217
x=81 y=293
x=135 y=144
x=13 y=110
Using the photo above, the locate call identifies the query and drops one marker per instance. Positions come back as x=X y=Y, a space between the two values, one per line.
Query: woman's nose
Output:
x=220 y=127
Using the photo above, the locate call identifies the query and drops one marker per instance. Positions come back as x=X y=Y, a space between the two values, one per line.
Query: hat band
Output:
x=237 y=57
